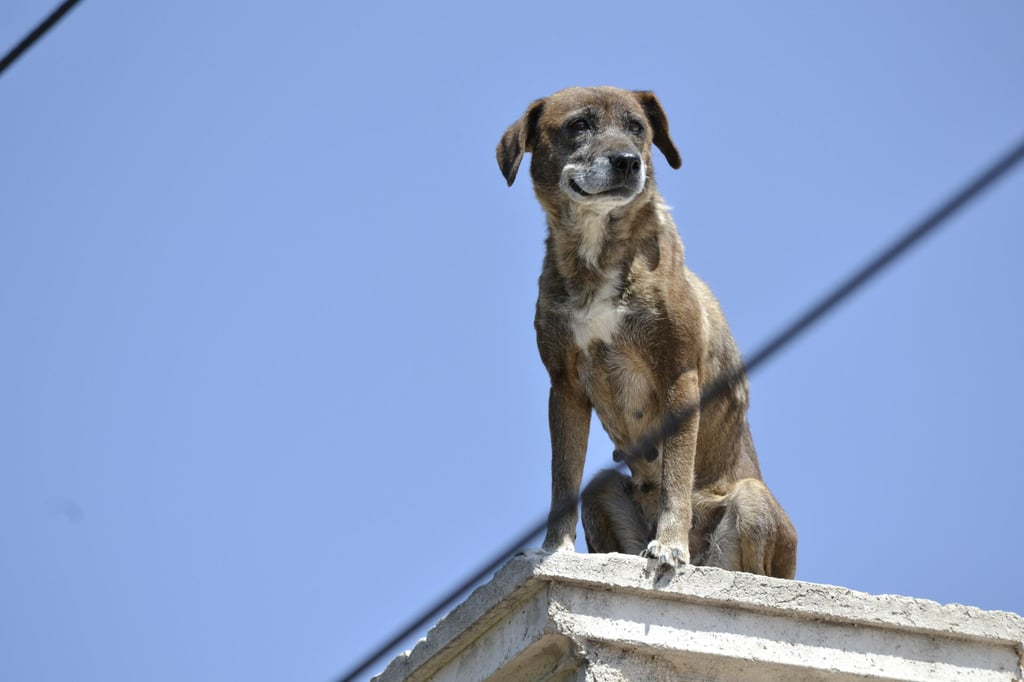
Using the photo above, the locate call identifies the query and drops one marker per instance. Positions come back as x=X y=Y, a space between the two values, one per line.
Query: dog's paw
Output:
x=533 y=553
x=566 y=544
x=539 y=553
x=667 y=556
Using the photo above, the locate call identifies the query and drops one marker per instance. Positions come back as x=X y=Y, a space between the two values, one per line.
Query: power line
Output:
x=824 y=305
x=36 y=33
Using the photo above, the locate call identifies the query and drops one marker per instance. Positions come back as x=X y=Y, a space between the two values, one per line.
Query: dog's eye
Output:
x=635 y=127
x=579 y=125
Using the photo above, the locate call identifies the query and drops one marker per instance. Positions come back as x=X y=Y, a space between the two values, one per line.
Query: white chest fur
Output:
x=600 y=319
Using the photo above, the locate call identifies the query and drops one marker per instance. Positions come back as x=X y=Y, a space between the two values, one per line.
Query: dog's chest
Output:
x=614 y=369
x=600 y=317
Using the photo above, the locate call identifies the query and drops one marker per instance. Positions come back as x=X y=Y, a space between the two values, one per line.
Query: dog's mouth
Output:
x=579 y=190
x=624 y=191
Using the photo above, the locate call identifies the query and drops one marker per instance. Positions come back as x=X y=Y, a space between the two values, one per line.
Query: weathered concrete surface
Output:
x=605 y=617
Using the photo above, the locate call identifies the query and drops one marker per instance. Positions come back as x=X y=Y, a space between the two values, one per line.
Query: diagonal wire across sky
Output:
x=35 y=34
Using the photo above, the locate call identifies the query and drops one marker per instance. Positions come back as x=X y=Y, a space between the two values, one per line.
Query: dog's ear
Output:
x=520 y=138
x=659 y=126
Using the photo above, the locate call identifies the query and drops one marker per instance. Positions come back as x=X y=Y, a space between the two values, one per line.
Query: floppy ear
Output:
x=520 y=138
x=659 y=126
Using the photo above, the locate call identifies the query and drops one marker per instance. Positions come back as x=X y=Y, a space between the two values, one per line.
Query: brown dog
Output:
x=625 y=328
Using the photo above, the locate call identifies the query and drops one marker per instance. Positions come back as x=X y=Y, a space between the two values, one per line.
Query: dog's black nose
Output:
x=627 y=163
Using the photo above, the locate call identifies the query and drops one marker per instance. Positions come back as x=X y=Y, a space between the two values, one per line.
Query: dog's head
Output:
x=590 y=145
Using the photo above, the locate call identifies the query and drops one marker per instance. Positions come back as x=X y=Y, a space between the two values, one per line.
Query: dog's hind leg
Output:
x=612 y=519
x=754 y=533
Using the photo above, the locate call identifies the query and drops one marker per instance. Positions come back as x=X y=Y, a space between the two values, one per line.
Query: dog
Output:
x=626 y=330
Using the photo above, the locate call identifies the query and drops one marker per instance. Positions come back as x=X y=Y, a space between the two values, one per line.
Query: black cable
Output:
x=37 y=33
x=671 y=422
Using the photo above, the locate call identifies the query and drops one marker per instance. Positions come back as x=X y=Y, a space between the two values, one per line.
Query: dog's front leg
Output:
x=671 y=544
x=569 y=419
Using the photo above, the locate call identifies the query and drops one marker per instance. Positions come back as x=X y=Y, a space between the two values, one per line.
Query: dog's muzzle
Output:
x=617 y=177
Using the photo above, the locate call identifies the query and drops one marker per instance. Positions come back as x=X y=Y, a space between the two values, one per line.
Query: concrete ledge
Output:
x=605 y=617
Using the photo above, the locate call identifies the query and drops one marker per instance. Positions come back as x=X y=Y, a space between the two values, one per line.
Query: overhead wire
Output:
x=36 y=33
x=886 y=257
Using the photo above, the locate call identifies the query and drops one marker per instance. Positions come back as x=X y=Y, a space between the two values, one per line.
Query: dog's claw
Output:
x=667 y=555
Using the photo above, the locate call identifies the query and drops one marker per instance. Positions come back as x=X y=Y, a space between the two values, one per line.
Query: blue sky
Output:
x=268 y=381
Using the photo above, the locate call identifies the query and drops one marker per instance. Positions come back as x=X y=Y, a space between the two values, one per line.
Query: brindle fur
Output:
x=624 y=328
